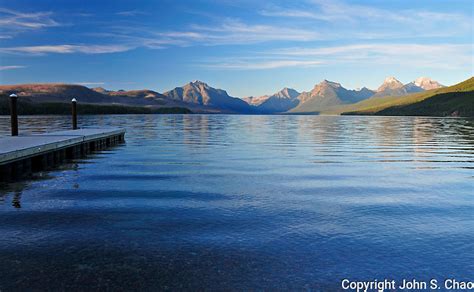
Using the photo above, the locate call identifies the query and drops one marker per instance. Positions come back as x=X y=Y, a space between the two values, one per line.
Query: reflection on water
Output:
x=15 y=189
x=16 y=202
x=245 y=202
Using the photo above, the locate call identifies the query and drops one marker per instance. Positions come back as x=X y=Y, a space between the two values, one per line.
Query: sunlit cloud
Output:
x=3 y=68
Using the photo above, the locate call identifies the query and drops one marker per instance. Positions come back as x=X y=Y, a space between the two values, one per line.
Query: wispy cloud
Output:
x=83 y=14
x=3 y=68
x=236 y=31
x=385 y=48
x=281 y=12
x=335 y=10
x=134 y=12
x=67 y=49
x=274 y=64
x=409 y=55
x=355 y=22
x=90 y=83
x=227 y=32
x=448 y=56
x=377 y=21
x=16 y=20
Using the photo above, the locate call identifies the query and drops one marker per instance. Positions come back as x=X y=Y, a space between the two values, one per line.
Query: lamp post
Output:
x=74 y=113
x=14 y=114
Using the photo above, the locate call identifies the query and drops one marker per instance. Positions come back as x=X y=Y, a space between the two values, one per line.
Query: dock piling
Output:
x=74 y=113
x=14 y=114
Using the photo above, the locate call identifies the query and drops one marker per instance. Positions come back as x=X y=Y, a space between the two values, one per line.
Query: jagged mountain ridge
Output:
x=200 y=97
x=327 y=94
x=281 y=101
x=427 y=83
x=63 y=93
x=455 y=100
x=56 y=92
x=392 y=87
x=200 y=93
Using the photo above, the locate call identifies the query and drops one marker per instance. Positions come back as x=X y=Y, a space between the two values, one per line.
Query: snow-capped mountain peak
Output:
x=287 y=93
x=391 y=79
x=330 y=83
x=390 y=83
x=198 y=83
x=427 y=83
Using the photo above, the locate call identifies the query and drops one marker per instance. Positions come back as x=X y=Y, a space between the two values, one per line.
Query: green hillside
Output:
x=444 y=104
x=442 y=101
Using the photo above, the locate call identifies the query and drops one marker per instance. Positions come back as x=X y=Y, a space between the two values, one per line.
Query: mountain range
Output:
x=456 y=100
x=201 y=94
x=329 y=94
x=199 y=97
x=279 y=102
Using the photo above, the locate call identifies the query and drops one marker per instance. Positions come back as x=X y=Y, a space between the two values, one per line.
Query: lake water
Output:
x=223 y=202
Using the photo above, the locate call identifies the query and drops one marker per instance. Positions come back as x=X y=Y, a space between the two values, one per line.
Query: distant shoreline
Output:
x=58 y=108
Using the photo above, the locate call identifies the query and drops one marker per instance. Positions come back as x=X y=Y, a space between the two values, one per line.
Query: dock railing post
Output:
x=14 y=114
x=74 y=114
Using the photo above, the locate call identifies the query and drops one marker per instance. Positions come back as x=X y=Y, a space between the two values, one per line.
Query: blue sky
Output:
x=246 y=47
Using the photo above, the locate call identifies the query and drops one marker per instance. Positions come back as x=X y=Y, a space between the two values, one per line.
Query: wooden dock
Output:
x=22 y=155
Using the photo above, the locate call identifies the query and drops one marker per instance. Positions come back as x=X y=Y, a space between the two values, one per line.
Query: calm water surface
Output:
x=225 y=202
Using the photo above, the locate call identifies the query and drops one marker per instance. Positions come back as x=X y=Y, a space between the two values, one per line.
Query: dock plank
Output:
x=15 y=148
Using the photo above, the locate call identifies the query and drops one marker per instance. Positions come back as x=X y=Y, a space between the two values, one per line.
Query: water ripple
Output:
x=228 y=202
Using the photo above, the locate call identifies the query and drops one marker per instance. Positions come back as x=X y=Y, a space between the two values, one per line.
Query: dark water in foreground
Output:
x=246 y=202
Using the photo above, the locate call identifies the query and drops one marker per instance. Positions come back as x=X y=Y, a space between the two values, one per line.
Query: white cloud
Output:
x=227 y=32
x=411 y=55
x=280 y=12
x=377 y=21
x=273 y=64
x=354 y=22
x=448 y=56
x=339 y=10
x=2 y=68
x=67 y=49
x=12 y=20
x=233 y=31
x=90 y=83
x=131 y=13
x=381 y=48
